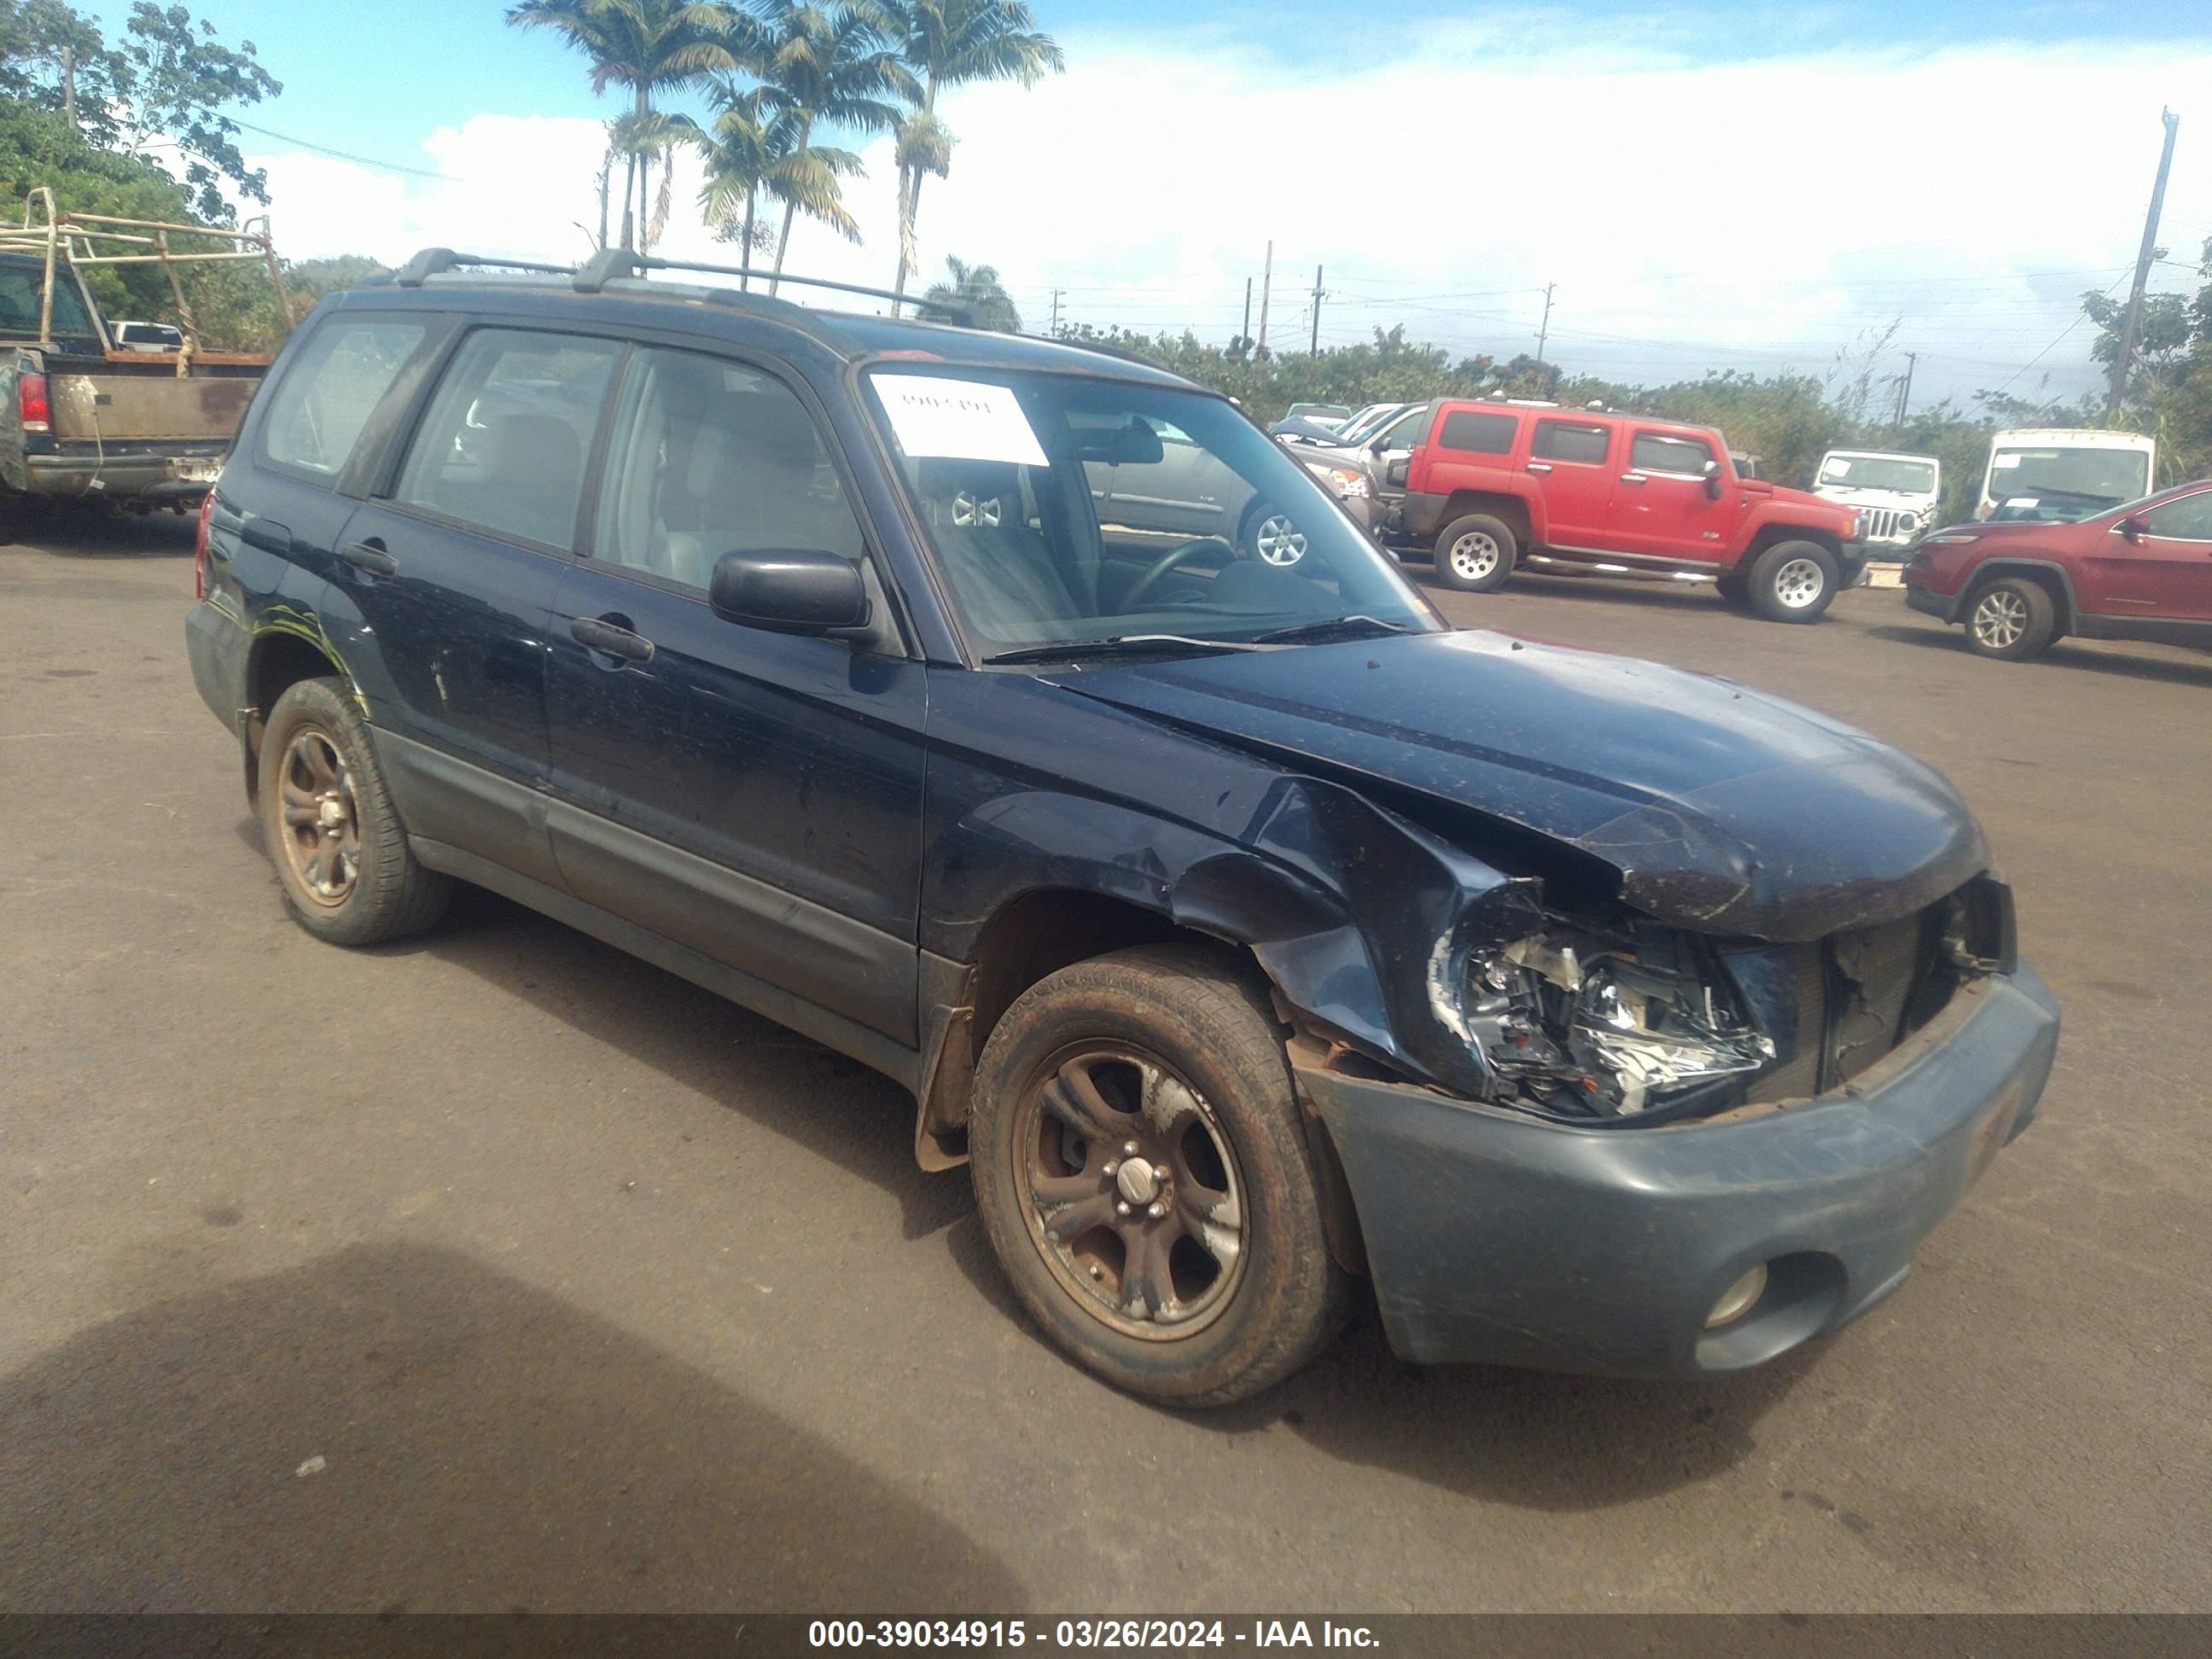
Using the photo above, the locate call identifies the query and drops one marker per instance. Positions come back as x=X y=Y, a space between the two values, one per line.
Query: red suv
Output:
x=2139 y=572
x=1497 y=484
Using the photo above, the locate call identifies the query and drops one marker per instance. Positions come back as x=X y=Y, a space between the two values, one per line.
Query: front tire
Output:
x=1194 y=1270
x=1475 y=554
x=341 y=853
x=1793 y=582
x=2011 y=619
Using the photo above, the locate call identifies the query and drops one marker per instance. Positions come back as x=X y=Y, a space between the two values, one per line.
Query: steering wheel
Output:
x=1167 y=561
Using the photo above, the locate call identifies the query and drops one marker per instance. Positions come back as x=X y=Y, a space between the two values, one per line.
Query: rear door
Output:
x=2166 y=571
x=450 y=576
x=1574 y=462
x=1662 y=503
x=753 y=796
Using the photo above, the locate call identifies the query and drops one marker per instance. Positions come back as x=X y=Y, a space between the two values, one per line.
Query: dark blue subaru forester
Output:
x=1021 y=721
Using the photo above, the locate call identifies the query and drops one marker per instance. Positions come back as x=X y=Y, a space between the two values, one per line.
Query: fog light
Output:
x=1739 y=1298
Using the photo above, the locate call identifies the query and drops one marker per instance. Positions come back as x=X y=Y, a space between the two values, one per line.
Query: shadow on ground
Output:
x=791 y=1084
x=87 y=532
x=2067 y=653
x=1525 y=1438
x=481 y=1446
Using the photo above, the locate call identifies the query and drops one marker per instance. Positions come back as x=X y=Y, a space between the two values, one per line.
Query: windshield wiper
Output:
x=1321 y=631
x=1118 y=645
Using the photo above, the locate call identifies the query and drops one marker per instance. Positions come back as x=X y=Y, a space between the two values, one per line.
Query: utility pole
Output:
x=1905 y=392
x=2172 y=123
x=1055 y=312
x=1267 y=283
x=1246 y=334
x=69 y=84
x=1544 y=329
x=1314 y=346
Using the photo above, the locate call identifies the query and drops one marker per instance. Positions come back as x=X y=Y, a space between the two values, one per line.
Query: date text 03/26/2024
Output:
x=1086 y=1633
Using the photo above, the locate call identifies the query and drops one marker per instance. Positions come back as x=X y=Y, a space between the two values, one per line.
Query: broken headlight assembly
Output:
x=1579 y=1025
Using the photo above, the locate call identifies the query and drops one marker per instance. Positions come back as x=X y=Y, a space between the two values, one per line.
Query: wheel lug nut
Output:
x=1122 y=1206
x=1157 y=1211
x=1098 y=1271
x=1129 y=1149
x=1113 y=1165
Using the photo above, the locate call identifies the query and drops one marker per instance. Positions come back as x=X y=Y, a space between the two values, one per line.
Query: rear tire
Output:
x=341 y=853
x=2011 y=620
x=1200 y=1272
x=1475 y=554
x=1793 y=582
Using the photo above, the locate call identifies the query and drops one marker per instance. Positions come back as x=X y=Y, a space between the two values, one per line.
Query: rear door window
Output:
x=327 y=396
x=507 y=440
x=1569 y=440
x=1478 y=432
x=1665 y=452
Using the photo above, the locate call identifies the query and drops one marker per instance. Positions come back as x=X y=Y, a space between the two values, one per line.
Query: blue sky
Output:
x=1758 y=189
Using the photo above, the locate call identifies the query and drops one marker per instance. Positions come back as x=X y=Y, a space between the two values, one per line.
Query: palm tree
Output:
x=647 y=46
x=827 y=66
x=751 y=152
x=976 y=290
x=950 y=42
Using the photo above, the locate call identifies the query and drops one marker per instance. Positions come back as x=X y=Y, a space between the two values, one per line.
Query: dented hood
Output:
x=1720 y=808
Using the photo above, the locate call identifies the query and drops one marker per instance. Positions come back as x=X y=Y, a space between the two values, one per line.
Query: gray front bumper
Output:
x=1495 y=1237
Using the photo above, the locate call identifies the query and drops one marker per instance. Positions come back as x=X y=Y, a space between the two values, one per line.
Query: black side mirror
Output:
x=789 y=591
x=2130 y=528
x=1395 y=472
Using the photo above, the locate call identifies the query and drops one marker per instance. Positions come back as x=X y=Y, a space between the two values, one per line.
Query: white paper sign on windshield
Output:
x=962 y=420
x=2004 y=461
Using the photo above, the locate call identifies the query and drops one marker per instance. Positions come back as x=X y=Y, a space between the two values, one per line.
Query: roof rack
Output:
x=608 y=263
x=430 y=261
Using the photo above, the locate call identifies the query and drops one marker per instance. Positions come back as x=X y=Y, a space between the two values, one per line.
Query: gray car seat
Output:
x=1002 y=569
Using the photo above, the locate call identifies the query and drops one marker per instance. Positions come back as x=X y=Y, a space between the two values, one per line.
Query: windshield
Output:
x=19 y=303
x=1066 y=509
x=1899 y=473
x=2090 y=480
x=1367 y=422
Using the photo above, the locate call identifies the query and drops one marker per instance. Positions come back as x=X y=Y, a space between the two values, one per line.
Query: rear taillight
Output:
x=31 y=406
x=200 y=548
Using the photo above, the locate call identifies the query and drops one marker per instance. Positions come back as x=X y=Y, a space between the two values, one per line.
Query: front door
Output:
x=1574 y=460
x=2164 y=571
x=753 y=796
x=1663 y=503
x=449 y=580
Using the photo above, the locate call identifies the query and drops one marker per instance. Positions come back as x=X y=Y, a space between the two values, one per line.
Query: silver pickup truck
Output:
x=82 y=416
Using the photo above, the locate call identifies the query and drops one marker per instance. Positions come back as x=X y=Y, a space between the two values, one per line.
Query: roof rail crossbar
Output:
x=430 y=261
x=607 y=263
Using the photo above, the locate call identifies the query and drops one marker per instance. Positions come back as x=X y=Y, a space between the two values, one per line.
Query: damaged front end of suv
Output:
x=1652 y=1021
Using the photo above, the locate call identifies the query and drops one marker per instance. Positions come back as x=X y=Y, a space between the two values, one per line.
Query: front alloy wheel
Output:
x=1134 y=1195
x=1145 y=1177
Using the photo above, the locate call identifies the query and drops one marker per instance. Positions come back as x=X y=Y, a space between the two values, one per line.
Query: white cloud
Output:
x=1758 y=213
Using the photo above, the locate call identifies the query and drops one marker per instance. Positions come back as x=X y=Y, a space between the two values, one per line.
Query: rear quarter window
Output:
x=328 y=392
x=1569 y=440
x=1476 y=433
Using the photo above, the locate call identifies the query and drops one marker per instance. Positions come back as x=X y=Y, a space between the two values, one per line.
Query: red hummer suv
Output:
x=1497 y=484
x=2142 y=571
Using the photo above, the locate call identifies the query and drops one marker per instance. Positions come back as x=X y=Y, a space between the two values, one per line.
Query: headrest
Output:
x=532 y=447
x=773 y=425
x=941 y=477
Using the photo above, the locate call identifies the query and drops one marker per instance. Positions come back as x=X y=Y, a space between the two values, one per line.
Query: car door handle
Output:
x=1539 y=466
x=597 y=633
x=1633 y=477
x=369 y=557
x=266 y=534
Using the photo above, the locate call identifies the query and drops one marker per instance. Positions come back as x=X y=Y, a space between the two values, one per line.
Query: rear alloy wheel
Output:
x=341 y=853
x=1272 y=538
x=2011 y=619
x=1475 y=554
x=1793 y=581
x=1143 y=1176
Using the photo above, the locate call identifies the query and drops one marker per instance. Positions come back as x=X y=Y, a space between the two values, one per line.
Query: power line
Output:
x=2062 y=333
x=348 y=155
